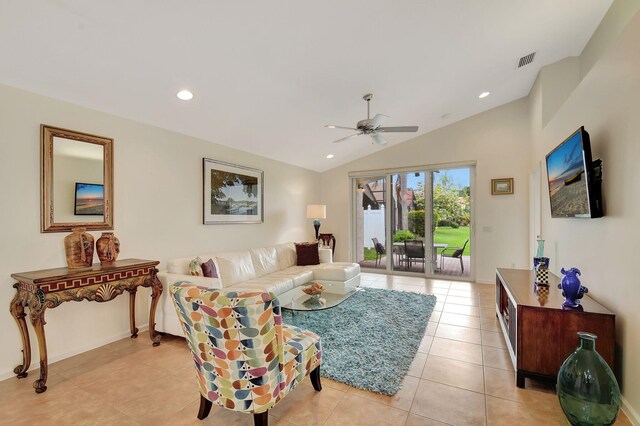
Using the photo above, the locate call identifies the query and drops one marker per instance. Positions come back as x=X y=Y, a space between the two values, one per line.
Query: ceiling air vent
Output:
x=526 y=60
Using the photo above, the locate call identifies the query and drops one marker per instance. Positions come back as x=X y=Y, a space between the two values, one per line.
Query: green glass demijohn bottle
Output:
x=587 y=389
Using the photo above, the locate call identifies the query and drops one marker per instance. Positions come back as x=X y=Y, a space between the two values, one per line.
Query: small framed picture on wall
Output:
x=503 y=186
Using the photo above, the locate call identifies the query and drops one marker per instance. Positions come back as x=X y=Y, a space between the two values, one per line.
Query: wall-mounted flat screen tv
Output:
x=574 y=179
x=89 y=199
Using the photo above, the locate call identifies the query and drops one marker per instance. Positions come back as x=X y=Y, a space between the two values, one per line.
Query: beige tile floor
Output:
x=461 y=375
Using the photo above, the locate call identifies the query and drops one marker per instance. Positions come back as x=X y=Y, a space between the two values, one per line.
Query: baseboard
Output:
x=35 y=365
x=485 y=281
x=632 y=414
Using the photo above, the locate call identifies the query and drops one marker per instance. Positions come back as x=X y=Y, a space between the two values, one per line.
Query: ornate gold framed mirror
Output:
x=76 y=180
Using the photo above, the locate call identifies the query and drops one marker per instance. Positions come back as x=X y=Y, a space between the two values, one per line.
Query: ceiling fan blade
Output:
x=348 y=137
x=378 y=120
x=378 y=139
x=398 y=129
x=341 y=127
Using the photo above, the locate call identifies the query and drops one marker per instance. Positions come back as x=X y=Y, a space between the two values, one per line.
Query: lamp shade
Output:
x=316 y=211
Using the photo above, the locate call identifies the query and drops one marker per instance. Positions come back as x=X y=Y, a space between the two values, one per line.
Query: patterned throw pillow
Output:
x=195 y=268
x=307 y=254
x=209 y=269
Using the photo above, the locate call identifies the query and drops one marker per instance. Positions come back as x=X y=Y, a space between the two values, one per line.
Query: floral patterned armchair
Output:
x=245 y=358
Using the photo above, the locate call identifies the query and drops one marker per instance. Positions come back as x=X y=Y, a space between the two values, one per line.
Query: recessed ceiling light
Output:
x=331 y=127
x=330 y=156
x=484 y=94
x=185 y=95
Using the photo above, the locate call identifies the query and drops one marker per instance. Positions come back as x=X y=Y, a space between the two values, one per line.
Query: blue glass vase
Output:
x=572 y=290
x=587 y=389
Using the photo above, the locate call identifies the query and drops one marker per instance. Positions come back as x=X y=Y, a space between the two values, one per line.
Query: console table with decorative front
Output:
x=39 y=290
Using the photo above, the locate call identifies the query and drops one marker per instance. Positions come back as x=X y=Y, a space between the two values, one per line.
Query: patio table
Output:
x=398 y=249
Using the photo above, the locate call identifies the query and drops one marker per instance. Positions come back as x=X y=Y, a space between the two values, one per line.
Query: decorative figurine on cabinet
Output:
x=572 y=290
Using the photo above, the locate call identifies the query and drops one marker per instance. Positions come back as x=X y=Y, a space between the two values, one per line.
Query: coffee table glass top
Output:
x=297 y=300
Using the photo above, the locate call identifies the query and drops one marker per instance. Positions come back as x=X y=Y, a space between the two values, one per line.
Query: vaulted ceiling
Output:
x=269 y=75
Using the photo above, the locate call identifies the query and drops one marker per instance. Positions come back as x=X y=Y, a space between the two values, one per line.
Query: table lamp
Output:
x=316 y=212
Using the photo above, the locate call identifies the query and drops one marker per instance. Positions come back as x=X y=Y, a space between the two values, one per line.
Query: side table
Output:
x=39 y=290
x=328 y=240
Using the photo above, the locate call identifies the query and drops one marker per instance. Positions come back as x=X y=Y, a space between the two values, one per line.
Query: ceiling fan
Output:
x=372 y=126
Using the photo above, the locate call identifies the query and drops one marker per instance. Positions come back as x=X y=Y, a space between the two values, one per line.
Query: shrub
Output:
x=416 y=222
x=450 y=223
x=402 y=236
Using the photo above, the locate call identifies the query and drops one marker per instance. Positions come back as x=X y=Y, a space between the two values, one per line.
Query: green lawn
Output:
x=453 y=237
x=443 y=235
x=370 y=254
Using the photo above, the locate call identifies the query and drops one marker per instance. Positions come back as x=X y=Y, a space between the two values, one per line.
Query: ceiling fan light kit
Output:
x=373 y=126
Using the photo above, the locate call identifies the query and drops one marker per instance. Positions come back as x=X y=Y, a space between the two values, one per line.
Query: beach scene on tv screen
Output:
x=89 y=199
x=567 y=180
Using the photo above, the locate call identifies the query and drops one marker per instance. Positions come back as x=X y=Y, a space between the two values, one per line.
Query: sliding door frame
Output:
x=387 y=173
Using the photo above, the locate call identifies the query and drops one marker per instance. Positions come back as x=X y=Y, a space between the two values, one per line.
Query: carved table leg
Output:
x=38 y=324
x=156 y=291
x=132 y=312
x=17 y=311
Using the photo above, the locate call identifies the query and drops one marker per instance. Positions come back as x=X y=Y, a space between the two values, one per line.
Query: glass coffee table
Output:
x=333 y=295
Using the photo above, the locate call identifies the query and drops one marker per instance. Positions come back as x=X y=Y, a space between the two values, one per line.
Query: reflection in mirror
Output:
x=78 y=181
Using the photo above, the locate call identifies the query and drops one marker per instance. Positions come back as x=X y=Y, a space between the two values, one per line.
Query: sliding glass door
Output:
x=415 y=222
x=371 y=222
x=408 y=221
x=451 y=221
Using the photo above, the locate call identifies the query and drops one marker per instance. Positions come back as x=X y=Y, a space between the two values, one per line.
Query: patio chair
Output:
x=414 y=252
x=457 y=254
x=245 y=358
x=380 y=250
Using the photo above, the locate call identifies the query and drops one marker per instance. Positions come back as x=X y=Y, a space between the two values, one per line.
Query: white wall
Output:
x=498 y=141
x=607 y=102
x=157 y=206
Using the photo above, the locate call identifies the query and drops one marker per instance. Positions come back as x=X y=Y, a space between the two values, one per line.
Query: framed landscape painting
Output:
x=232 y=194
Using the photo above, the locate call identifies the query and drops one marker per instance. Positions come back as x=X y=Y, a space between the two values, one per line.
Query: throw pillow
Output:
x=307 y=254
x=209 y=269
x=194 y=267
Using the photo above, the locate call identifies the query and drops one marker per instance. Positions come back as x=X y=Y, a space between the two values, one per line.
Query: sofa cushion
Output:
x=181 y=266
x=235 y=267
x=209 y=269
x=286 y=255
x=307 y=254
x=265 y=260
x=195 y=267
x=276 y=285
x=299 y=274
x=339 y=271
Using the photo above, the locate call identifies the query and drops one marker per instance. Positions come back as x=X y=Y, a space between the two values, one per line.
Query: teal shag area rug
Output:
x=369 y=340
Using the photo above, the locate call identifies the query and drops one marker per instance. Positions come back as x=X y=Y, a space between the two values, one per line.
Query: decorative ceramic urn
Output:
x=108 y=248
x=572 y=290
x=78 y=247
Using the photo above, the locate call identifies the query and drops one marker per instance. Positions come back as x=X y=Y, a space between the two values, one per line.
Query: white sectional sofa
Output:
x=262 y=269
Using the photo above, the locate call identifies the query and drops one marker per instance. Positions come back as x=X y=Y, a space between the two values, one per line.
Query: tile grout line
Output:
x=344 y=394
